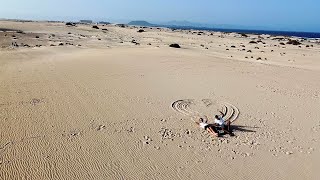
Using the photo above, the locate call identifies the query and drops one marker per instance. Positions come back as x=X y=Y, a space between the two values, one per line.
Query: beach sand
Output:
x=102 y=106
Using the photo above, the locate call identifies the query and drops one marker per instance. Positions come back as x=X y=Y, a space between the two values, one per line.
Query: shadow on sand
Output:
x=236 y=128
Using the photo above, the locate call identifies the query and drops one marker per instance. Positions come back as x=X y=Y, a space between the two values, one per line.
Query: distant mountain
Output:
x=140 y=23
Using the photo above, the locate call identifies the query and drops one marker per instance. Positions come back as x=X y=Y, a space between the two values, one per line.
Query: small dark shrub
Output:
x=121 y=25
x=69 y=24
x=293 y=42
x=244 y=35
x=174 y=45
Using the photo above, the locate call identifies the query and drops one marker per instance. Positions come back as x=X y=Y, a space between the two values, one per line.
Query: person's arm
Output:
x=222 y=114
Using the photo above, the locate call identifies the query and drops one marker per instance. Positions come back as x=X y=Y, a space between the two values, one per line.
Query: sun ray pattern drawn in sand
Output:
x=231 y=112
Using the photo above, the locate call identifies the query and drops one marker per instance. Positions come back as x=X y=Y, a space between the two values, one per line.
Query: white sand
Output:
x=104 y=110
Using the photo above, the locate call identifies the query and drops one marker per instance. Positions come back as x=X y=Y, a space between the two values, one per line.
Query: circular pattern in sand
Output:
x=231 y=112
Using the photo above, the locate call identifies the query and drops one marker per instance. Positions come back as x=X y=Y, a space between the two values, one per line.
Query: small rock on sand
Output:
x=101 y=127
x=289 y=152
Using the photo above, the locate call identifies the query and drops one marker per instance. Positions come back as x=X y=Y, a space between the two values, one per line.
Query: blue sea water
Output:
x=276 y=33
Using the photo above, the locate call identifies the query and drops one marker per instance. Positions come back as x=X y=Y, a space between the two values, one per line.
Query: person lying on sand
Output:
x=220 y=123
x=210 y=127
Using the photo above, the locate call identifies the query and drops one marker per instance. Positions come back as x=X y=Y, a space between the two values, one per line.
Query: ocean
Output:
x=276 y=33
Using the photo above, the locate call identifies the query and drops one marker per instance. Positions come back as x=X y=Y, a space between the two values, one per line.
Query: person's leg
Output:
x=229 y=131
x=212 y=131
x=229 y=126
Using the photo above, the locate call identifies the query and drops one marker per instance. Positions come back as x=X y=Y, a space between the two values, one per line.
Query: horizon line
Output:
x=250 y=28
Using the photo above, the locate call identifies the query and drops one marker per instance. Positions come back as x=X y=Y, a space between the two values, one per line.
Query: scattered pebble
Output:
x=101 y=127
x=289 y=152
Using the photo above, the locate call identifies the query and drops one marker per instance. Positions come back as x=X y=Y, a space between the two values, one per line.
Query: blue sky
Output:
x=294 y=15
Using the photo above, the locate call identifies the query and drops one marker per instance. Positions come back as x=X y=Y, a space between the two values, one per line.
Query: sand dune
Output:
x=113 y=109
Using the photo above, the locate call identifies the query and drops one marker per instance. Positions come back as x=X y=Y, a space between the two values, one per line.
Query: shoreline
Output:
x=274 y=33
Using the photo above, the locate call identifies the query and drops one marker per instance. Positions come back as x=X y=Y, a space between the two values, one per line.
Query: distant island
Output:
x=140 y=23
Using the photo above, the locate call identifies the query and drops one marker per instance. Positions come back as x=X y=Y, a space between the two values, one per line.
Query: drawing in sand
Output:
x=222 y=122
